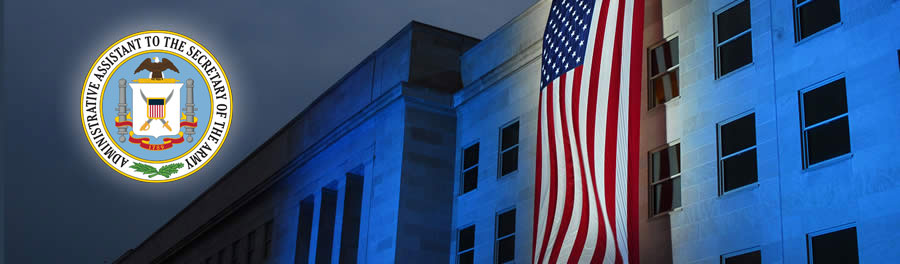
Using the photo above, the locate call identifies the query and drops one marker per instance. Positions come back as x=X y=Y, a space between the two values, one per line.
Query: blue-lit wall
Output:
x=788 y=202
x=401 y=119
x=501 y=77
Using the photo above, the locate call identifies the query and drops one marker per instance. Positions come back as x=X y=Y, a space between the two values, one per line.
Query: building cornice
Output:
x=512 y=65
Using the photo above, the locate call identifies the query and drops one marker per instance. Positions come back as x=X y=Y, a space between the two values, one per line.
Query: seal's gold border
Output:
x=224 y=76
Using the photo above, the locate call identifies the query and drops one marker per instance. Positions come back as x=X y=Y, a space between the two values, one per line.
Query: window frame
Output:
x=796 y=5
x=458 y=238
x=463 y=169
x=810 y=235
x=497 y=236
x=651 y=103
x=739 y=252
x=502 y=151
x=804 y=140
x=717 y=45
x=651 y=183
x=720 y=159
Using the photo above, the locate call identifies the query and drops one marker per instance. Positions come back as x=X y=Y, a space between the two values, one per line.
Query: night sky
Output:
x=62 y=204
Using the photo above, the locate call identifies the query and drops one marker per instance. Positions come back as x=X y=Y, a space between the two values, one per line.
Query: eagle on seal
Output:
x=156 y=67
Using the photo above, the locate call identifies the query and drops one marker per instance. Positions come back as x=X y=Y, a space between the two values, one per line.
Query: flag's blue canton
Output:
x=565 y=38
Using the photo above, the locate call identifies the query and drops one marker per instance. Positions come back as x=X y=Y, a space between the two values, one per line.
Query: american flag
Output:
x=156 y=108
x=586 y=178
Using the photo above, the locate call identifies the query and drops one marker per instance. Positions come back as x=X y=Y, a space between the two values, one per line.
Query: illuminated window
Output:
x=663 y=72
x=811 y=16
x=752 y=256
x=665 y=179
x=506 y=237
x=733 y=42
x=470 y=168
x=833 y=246
x=826 y=128
x=509 y=148
x=737 y=153
x=465 y=252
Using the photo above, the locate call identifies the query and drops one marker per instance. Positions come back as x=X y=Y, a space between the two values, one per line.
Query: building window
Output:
x=743 y=257
x=506 y=237
x=811 y=16
x=470 y=168
x=737 y=153
x=250 y=246
x=832 y=246
x=465 y=253
x=234 y=252
x=267 y=251
x=509 y=148
x=733 y=42
x=664 y=72
x=665 y=179
x=826 y=128
x=221 y=257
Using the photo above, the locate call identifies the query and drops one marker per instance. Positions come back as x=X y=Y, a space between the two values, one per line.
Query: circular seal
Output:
x=156 y=106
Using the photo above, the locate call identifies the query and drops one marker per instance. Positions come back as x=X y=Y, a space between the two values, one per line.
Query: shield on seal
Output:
x=156 y=107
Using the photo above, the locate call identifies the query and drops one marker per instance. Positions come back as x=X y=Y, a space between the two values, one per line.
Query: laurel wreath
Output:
x=165 y=171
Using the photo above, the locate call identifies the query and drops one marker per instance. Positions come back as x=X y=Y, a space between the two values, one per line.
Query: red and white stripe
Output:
x=157 y=111
x=586 y=178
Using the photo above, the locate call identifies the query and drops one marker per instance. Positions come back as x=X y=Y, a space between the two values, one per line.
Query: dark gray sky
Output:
x=62 y=204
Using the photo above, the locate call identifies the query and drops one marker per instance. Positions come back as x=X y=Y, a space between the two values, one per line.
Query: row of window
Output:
x=508 y=157
x=836 y=245
x=350 y=213
x=733 y=43
x=249 y=255
x=504 y=240
x=825 y=136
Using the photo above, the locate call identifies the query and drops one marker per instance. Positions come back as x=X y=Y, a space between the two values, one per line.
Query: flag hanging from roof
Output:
x=586 y=173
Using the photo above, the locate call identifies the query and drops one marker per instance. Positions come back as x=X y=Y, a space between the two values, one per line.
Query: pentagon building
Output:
x=769 y=130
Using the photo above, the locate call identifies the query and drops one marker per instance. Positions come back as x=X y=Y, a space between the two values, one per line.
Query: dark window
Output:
x=811 y=16
x=753 y=257
x=665 y=179
x=234 y=252
x=267 y=251
x=664 y=72
x=304 y=230
x=250 y=246
x=327 y=214
x=506 y=236
x=208 y=260
x=834 y=247
x=470 y=169
x=826 y=128
x=465 y=253
x=220 y=258
x=353 y=194
x=733 y=42
x=737 y=153
x=509 y=148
